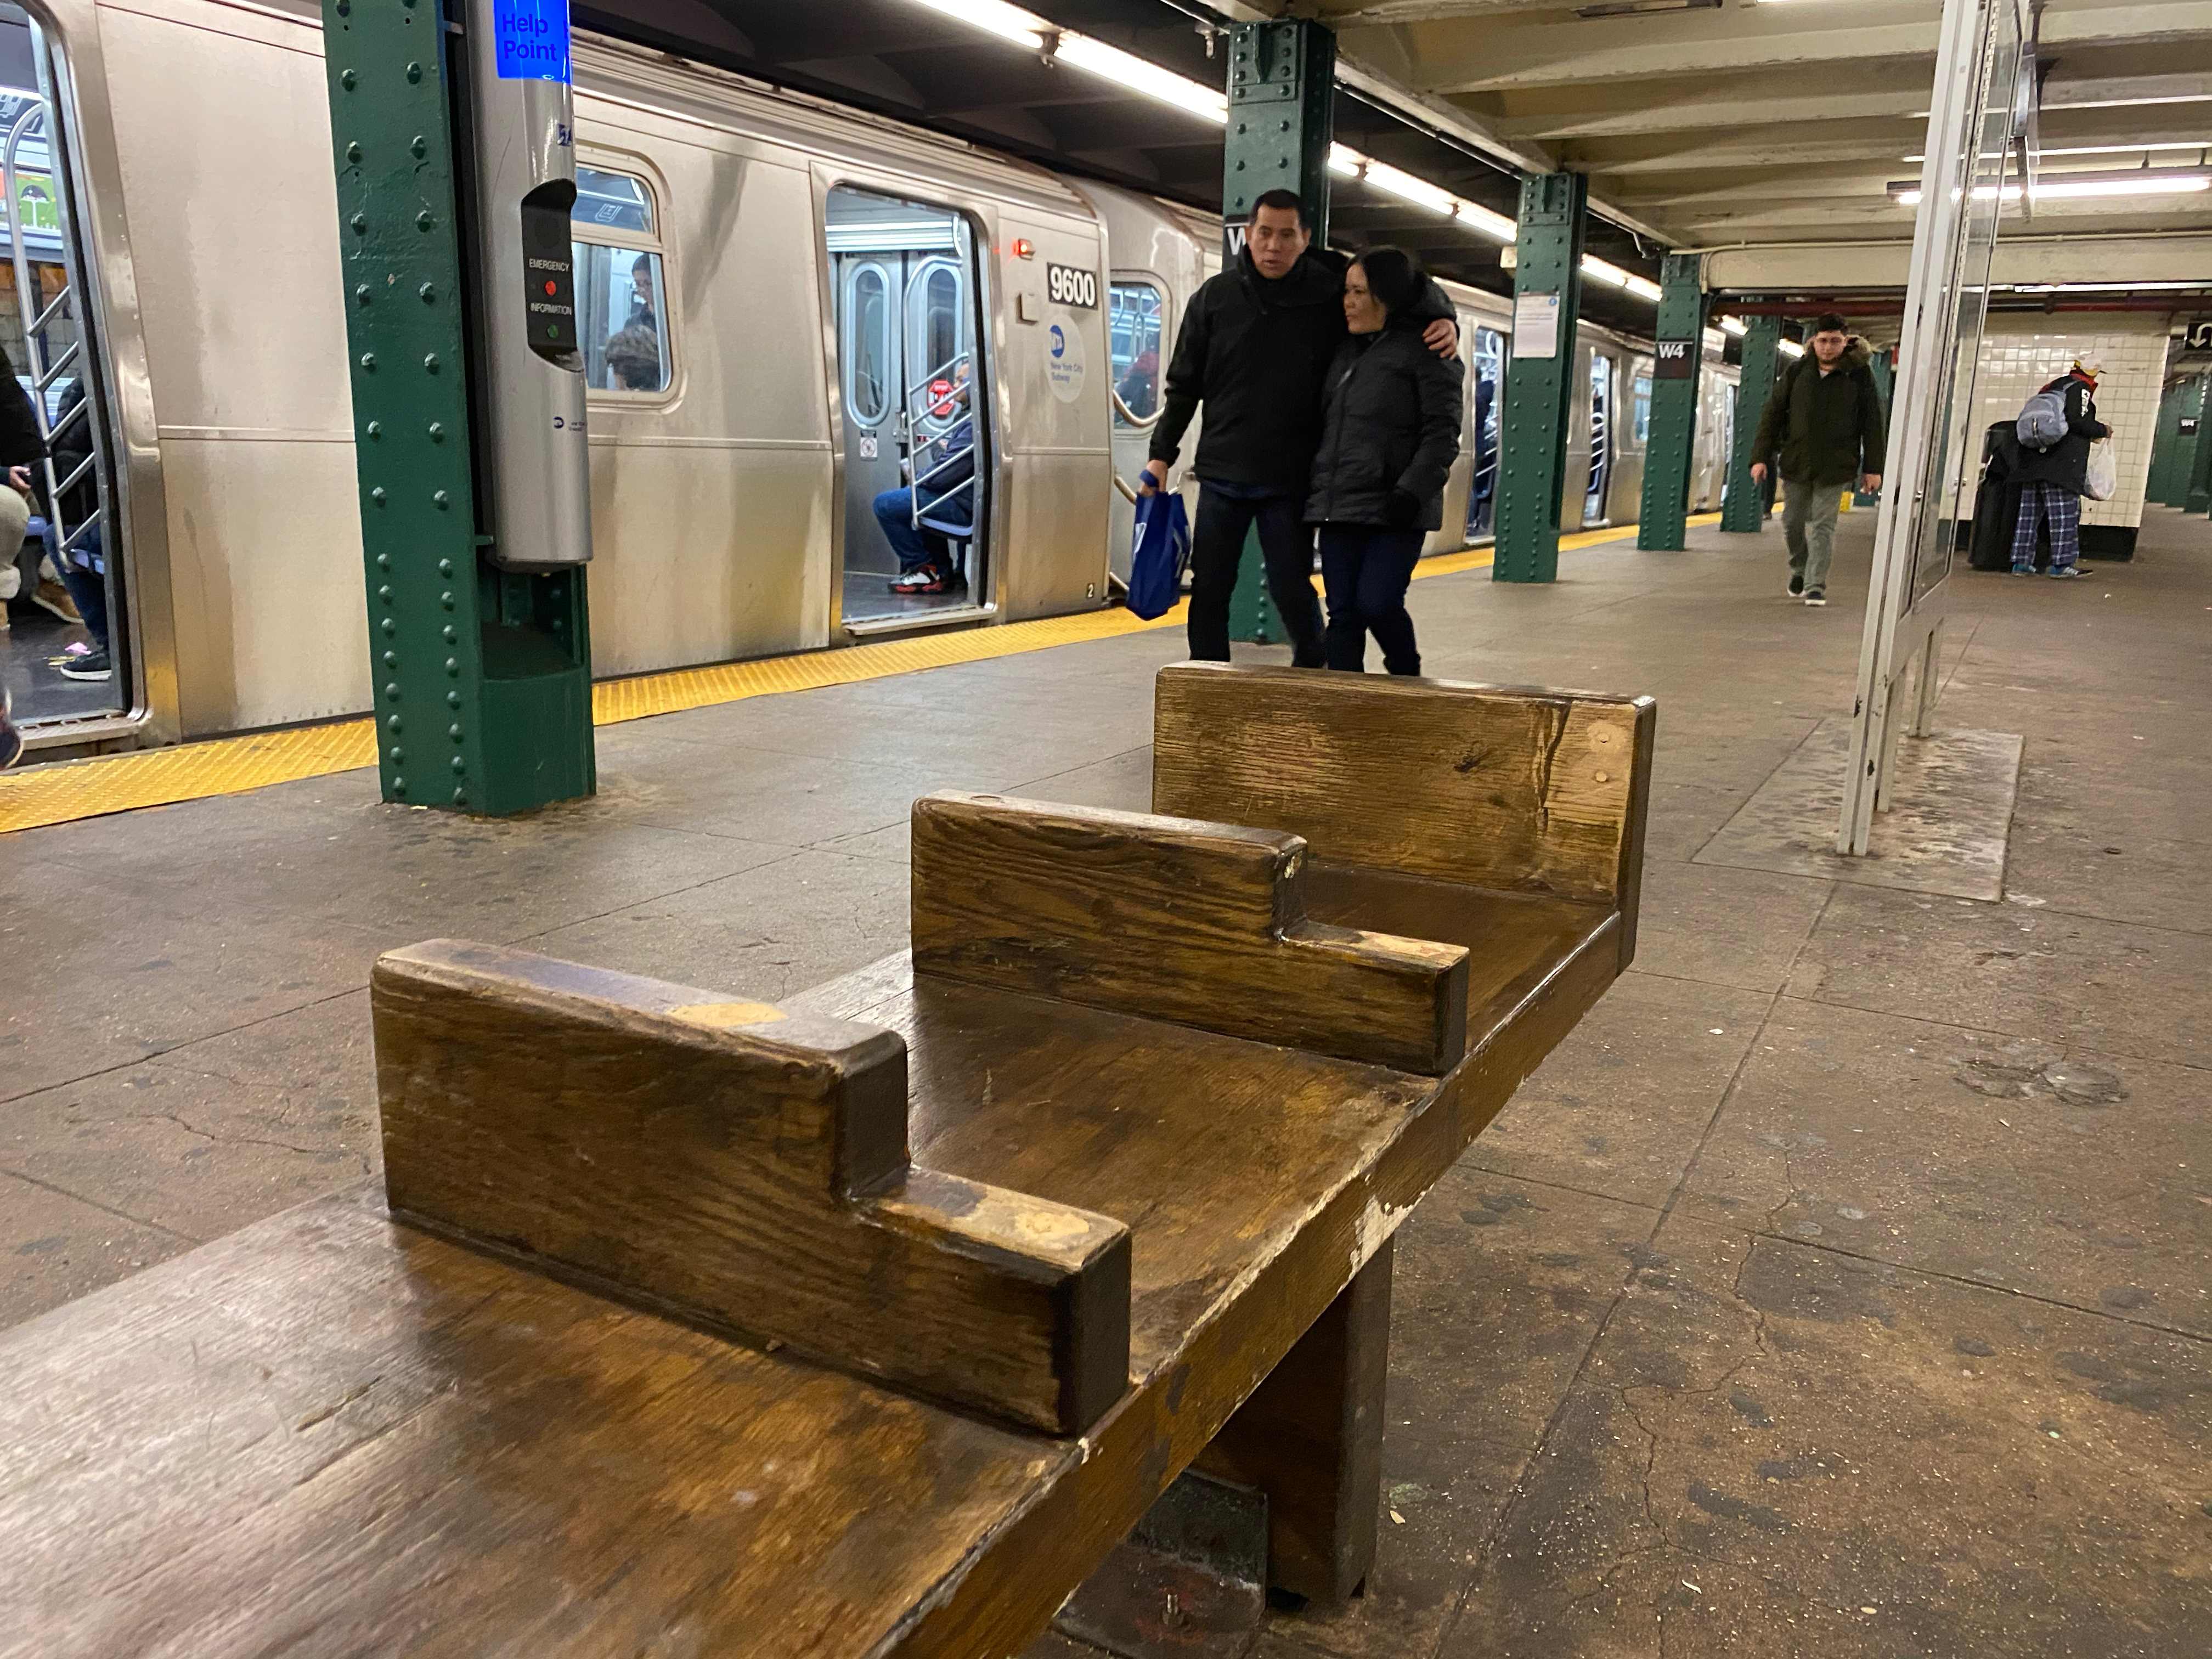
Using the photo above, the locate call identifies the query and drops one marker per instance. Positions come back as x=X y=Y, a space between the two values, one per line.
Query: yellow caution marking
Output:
x=227 y=766
x=728 y=1016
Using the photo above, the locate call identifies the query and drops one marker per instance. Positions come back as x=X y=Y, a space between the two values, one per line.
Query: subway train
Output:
x=781 y=300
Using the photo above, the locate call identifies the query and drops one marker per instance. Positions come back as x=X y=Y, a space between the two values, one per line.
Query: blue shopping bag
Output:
x=1155 y=562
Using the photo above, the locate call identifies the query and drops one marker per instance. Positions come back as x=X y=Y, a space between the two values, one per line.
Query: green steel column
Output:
x=1539 y=382
x=2197 y=498
x=1746 y=506
x=482 y=684
x=1884 y=374
x=1282 y=102
x=1679 y=351
x=2174 y=448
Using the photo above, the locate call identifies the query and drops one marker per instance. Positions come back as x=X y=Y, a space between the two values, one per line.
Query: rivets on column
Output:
x=439 y=500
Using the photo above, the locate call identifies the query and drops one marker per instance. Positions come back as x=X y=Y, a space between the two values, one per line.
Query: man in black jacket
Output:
x=1255 y=345
x=1825 y=420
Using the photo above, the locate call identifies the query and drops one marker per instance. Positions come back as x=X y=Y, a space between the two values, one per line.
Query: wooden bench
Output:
x=870 y=1322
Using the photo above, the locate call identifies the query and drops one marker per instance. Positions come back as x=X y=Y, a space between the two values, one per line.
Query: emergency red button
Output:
x=552 y=287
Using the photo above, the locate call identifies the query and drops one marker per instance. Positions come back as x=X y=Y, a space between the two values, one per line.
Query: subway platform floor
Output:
x=1843 y=1286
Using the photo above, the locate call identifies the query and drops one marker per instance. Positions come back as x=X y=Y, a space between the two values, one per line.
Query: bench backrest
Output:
x=1520 y=791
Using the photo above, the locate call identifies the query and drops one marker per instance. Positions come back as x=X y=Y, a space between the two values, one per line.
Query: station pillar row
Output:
x=480 y=676
x=1678 y=362
x=1282 y=102
x=1540 y=387
x=1746 y=506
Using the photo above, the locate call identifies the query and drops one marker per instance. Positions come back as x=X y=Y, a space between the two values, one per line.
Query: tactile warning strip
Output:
x=225 y=766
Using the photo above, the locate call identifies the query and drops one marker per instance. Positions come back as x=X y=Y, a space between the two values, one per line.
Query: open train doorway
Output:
x=913 y=387
x=64 y=653
x=1601 y=411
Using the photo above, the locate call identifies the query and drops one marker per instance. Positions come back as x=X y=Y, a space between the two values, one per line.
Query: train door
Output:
x=913 y=390
x=1136 y=342
x=65 y=645
x=1601 y=437
x=1489 y=405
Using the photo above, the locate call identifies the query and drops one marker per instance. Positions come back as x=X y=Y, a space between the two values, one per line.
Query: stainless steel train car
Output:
x=782 y=298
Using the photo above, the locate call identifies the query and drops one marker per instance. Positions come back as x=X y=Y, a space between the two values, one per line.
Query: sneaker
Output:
x=924 y=581
x=11 y=740
x=93 y=665
x=2023 y=570
x=2059 y=575
x=1796 y=586
x=1816 y=596
x=52 y=596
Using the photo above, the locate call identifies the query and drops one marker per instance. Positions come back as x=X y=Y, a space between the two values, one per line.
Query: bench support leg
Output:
x=1311 y=1436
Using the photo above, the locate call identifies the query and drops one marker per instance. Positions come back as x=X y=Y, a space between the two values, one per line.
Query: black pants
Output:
x=1366 y=569
x=1216 y=548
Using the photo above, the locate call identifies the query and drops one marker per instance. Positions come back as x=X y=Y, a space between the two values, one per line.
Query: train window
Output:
x=940 y=319
x=1133 y=331
x=1642 y=386
x=1489 y=402
x=868 y=358
x=620 y=310
x=611 y=201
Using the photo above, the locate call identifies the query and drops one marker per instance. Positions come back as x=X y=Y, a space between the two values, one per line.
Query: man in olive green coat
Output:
x=1824 y=423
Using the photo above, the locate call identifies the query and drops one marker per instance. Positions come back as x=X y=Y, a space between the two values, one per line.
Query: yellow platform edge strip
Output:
x=229 y=766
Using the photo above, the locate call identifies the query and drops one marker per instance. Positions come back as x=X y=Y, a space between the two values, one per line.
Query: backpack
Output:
x=2042 y=421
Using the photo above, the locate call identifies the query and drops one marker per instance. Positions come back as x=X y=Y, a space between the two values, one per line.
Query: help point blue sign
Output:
x=529 y=40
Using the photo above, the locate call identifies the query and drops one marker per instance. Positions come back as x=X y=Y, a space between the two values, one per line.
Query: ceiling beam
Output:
x=1781 y=153
x=1503 y=54
x=1718 y=114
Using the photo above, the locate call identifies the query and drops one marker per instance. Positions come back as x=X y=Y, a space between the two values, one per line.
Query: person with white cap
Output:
x=2052 y=481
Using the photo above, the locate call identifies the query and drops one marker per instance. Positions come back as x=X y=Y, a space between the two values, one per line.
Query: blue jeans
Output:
x=914 y=546
x=88 y=588
x=1365 y=568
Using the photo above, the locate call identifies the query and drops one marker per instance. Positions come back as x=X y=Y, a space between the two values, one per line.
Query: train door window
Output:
x=905 y=280
x=1489 y=407
x=1601 y=437
x=65 y=652
x=622 y=312
x=1641 y=387
x=1134 y=336
x=868 y=356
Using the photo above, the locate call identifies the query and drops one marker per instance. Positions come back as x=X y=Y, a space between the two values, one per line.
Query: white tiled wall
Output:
x=2019 y=355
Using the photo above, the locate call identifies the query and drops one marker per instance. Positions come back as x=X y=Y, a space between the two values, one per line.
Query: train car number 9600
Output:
x=1070 y=285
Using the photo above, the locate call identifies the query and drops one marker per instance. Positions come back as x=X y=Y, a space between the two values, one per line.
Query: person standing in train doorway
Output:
x=1824 y=423
x=1254 y=347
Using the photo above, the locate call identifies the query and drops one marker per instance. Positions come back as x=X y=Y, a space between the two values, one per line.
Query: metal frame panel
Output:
x=1904 y=611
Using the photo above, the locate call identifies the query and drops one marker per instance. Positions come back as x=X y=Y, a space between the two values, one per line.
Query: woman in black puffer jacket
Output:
x=1390 y=431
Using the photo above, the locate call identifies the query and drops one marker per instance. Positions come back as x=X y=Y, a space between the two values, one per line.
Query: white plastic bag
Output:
x=2103 y=475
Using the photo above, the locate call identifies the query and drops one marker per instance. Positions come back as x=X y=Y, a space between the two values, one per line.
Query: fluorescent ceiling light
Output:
x=2104 y=287
x=1406 y=188
x=2133 y=103
x=1029 y=31
x=1734 y=325
x=2063 y=186
x=1790 y=348
x=1008 y=22
x=1140 y=75
x=2168 y=186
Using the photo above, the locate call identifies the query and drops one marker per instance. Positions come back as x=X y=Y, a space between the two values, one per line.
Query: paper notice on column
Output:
x=1535 y=324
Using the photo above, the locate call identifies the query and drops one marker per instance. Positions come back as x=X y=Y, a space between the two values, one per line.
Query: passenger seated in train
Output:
x=633 y=349
x=922 y=520
x=1255 y=344
x=1389 y=434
